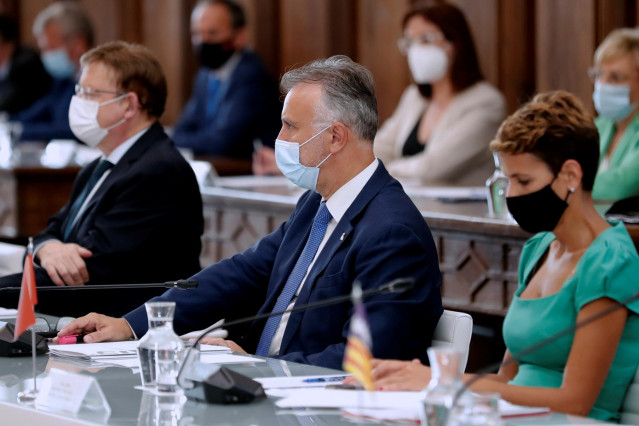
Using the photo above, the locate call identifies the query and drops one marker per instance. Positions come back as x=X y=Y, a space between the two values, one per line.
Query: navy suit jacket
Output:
x=382 y=236
x=143 y=225
x=27 y=81
x=48 y=117
x=249 y=109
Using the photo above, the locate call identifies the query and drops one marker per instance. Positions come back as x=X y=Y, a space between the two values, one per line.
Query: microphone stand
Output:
x=396 y=286
x=532 y=348
x=179 y=284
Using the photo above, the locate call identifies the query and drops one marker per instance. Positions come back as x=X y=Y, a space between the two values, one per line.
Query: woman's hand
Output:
x=391 y=375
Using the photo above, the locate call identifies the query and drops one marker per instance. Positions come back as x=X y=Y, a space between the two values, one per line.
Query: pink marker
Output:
x=71 y=339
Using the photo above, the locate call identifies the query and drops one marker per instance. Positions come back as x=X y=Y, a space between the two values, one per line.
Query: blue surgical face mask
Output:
x=612 y=100
x=287 y=156
x=57 y=63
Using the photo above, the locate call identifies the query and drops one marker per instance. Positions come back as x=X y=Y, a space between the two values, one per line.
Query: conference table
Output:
x=132 y=406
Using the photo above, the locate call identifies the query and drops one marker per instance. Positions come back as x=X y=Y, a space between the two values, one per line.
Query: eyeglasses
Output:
x=90 y=93
x=612 y=77
x=405 y=43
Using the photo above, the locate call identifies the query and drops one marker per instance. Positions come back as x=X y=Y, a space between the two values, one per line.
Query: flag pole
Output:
x=30 y=395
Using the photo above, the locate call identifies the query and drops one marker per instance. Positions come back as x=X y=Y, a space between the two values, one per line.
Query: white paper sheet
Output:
x=402 y=405
x=470 y=193
x=97 y=351
x=222 y=358
x=300 y=381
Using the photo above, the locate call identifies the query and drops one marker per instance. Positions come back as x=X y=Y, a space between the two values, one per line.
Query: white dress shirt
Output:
x=337 y=205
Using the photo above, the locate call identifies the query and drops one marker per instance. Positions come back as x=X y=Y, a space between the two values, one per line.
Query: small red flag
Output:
x=28 y=299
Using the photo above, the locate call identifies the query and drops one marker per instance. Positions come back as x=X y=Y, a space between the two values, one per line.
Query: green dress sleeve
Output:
x=621 y=179
x=611 y=269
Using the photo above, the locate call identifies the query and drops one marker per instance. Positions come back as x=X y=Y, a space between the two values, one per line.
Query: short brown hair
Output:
x=136 y=70
x=465 y=69
x=618 y=43
x=555 y=127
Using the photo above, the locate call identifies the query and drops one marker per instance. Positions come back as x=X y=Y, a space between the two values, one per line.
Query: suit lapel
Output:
x=121 y=168
x=341 y=235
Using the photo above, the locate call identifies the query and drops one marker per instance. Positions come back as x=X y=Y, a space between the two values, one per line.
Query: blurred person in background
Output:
x=64 y=33
x=616 y=99
x=444 y=122
x=234 y=100
x=22 y=76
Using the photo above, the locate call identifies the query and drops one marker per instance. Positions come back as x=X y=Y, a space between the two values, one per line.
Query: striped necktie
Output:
x=318 y=230
x=97 y=173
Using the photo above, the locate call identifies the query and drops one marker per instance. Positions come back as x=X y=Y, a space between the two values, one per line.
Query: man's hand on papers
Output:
x=217 y=341
x=391 y=375
x=98 y=328
x=64 y=262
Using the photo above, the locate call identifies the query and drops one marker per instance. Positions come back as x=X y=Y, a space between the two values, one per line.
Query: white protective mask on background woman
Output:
x=83 y=119
x=428 y=63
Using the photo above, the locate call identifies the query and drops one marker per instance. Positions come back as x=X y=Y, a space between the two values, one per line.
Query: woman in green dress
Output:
x=616 y=99
x=577 y=265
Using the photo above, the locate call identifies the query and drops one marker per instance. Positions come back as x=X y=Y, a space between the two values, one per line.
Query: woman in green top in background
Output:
x=576 y=266
x=616 y=99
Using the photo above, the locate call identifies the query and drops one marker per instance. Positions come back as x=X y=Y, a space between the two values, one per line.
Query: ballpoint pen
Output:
x=324 y=379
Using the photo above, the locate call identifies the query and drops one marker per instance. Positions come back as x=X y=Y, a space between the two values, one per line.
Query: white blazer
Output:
x=457 y=152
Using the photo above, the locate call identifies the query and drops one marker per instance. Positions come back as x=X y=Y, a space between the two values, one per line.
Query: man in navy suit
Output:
x=135 y=213
x=64 y=33
x=234 y=100
x=355 y=223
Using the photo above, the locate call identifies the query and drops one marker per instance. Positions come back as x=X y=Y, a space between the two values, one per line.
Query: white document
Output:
x=98 y=351
x=468 y=193
x=382 y=405
x=337 y=398
x=222 y=358
x=300 y=381
x=8 y=313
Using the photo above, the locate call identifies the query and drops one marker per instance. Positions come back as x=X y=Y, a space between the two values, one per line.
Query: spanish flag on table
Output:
x=357 y=356
x=28 y=296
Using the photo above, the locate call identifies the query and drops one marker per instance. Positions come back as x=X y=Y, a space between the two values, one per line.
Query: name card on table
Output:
x=70 y=392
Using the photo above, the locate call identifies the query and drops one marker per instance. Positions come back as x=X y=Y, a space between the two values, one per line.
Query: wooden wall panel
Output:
x=516 y=51
x=311 y=29
x=165 y=30
x=483 y=19
x=565 y=42
x=524 y=45
x=377 y=49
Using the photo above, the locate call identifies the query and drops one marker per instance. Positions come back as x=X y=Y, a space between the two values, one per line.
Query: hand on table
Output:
x=218 y=341
x=98 y=328
x=64 y=262
x=264 y=162
x=392 y=375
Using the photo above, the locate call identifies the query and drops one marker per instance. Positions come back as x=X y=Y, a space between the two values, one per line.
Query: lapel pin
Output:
x=342 y=237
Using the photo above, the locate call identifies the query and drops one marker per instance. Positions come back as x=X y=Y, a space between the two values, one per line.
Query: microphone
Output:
x=225 y=386
x=179 y=284
x=515 y=357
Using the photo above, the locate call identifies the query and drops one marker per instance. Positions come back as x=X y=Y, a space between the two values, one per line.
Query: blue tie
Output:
x=97 y=173
x=212 y=97
x=318 y=230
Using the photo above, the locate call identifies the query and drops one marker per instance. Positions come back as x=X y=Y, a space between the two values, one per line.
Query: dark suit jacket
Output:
x=250 y=109
x=385 y=237
x=27 y=81
x=48 y=117
x=143 y=225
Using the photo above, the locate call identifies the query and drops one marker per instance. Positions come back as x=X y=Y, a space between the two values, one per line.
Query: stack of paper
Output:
x=124 y=354
x=388 y=406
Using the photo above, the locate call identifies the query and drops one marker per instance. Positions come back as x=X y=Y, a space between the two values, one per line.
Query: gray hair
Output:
x=69 y=16
x=348 y=93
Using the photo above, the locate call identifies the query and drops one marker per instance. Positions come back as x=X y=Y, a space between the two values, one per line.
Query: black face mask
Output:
x=213 y=55
x=538 y=211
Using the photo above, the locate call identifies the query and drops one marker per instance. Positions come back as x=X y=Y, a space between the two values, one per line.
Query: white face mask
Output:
x=83 y=119
x=287 y=157
x=428 y=63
